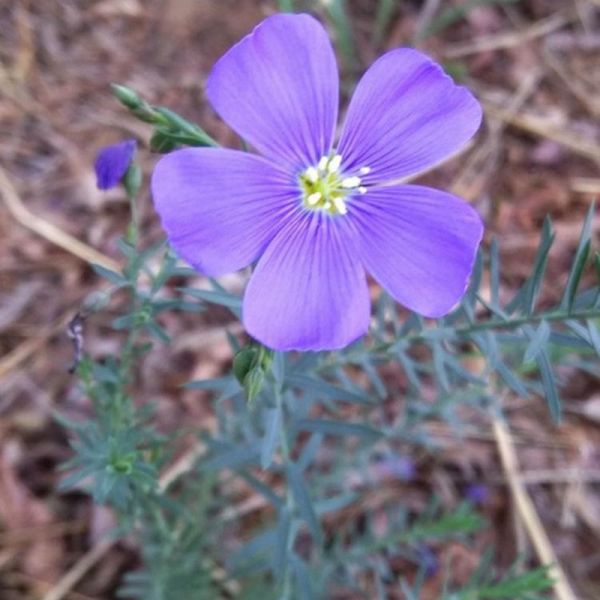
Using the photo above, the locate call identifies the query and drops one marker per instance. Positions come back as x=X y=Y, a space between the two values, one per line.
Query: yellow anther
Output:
x=325 y=187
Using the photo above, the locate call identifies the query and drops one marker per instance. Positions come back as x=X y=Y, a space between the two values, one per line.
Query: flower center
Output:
x=324 y=188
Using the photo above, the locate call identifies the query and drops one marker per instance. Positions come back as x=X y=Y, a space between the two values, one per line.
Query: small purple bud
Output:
x=399 y=467
x=477 y=493
x=112 y=163
x=428 y=560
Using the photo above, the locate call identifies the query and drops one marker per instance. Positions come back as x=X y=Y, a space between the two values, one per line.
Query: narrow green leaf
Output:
x=162 y=141
x=158 y=332
x=177 y=122
x=337 y=428
x=303 y=501
x=309 y=451
x=258 y=545
x=302 y=577
x=217 y=385
x=468 y=301
x=408 y=366
x=516 y=586
x=549 y=385
x=234 y=344
x=454 y=14
x=581 y=255
x=494 y=274
x=439 y=367
x=374 y=378
x=278 y=367
x=510 y=379
x=462 y=521
x=221 y=298
x=320 y=387
x=286 y=5
x=336 y=503
x=280 y=548
x=262 y=489
x=269 y=442
x=594 y=335
x=527 y=295
x=108 y=274
x=343 y=34
x=233 y=458
x=383 y=16
x=538 y=341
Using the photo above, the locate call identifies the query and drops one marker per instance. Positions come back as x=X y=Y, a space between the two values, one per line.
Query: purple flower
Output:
x=112 y=163
x=318 y=216
x=428 y=560
x=401 y=467
x=478 y=493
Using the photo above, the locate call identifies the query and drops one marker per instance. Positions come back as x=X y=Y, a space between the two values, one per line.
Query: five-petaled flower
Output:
x=112 y=163
x=317 y=215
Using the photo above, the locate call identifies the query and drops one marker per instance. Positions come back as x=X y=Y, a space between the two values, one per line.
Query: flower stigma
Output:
x=325 y=188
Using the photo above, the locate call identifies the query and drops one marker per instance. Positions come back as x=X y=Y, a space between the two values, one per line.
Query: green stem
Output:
x=442 y=333
x=466 y=330
x=286 y=592
x=286 y=5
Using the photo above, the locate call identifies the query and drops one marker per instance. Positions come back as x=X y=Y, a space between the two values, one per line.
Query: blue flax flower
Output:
x=317 y=215
x=112 y=163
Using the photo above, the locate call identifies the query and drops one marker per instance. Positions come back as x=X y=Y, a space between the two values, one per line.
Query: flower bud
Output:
x=253 y=383
x=243 y=362
x=126 y=96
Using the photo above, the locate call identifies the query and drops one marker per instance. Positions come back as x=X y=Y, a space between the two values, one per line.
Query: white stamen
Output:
x=312 y=174
x=364 y=170
x=340 y=205
x=362 y=189
x=350 y=182
x=334 y=163
x=314 y=198
x=327 y=205
x=323 y=163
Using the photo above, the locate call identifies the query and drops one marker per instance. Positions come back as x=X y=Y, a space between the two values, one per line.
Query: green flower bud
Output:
x=126 y=96
x=253 y=383
x=243 y=362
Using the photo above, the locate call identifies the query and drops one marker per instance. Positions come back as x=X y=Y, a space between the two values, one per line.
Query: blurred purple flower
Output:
x=400 y=467
x=428 y=560
x=317 y=217
x=477 y=493
x=112 y=163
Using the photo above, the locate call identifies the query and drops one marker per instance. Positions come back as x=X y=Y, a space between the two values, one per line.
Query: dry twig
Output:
x=510 y=39
x=544 y=127
x=527 y=512
x=47 y=230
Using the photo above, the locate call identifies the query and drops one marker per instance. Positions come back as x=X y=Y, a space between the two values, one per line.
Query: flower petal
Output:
x=112 y=163
x=406 y=115
x=309 y=290
x=278 y=88
x=419 y=243
x=220 y=207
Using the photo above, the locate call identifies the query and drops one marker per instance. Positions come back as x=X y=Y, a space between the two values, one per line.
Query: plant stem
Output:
x=494 y=323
